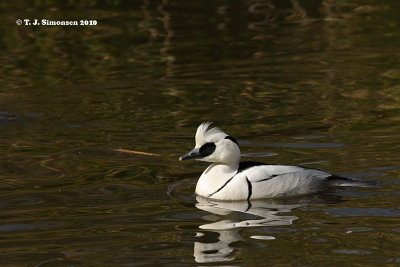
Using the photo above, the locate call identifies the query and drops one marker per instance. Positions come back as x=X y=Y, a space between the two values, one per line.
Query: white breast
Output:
x=214 y=178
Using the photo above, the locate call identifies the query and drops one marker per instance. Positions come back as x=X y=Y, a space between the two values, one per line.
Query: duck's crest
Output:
x=212 y=135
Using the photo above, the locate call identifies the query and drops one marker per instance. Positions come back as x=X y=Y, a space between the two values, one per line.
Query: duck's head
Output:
x=214 y=145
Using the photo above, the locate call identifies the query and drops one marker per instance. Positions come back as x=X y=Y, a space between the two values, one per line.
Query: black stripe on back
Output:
x=248 y=164
x=268 y=178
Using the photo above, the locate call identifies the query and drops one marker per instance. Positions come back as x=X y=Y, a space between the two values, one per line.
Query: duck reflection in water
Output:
x=226 y=219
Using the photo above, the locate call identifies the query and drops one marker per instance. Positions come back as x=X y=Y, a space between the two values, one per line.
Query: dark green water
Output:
x=314 y=83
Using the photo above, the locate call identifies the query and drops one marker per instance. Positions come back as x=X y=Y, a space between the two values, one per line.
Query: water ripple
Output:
x=292 y=145
x=380 y=212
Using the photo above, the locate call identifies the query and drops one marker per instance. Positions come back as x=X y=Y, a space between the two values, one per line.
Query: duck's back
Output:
x=281 y=180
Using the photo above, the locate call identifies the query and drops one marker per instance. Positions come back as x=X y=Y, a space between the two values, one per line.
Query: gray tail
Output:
x=336 y=180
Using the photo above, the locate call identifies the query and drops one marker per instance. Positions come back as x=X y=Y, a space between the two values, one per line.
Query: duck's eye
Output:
x=207 y=149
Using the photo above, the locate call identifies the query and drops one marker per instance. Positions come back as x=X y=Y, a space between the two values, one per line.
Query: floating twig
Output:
x=135 y=152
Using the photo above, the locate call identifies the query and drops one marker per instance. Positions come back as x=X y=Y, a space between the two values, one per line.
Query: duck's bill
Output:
x=194 y=154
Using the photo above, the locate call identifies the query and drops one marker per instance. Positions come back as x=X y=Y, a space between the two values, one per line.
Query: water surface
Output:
x=313 y=84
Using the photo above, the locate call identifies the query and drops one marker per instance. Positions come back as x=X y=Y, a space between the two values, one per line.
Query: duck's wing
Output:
x=264 y=172
x=257 y=173
x=264 y=181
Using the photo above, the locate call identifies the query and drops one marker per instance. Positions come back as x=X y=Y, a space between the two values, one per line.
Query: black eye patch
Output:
x=207 y=149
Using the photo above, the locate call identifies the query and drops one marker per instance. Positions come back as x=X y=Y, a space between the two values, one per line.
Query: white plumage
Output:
x=229 y=179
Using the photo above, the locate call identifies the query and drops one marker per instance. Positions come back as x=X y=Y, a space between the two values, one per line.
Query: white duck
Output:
x=229 y=179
